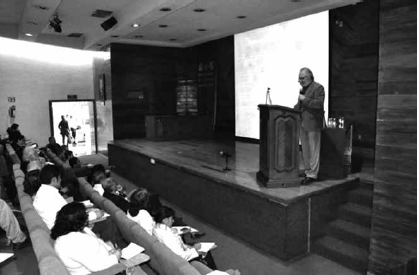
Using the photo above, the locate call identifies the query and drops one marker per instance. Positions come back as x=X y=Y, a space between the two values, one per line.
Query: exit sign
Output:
x=11 y=99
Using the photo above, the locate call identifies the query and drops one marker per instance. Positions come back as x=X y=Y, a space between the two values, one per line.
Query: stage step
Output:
x=350 y=233
x=356 y=213
x=342 y=252
x=362 y=196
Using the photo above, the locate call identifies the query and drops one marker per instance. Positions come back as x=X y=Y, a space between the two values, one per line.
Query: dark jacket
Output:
x=312 y=108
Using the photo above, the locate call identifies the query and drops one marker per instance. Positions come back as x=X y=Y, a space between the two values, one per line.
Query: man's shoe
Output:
x=308 y=181
x=25 y=243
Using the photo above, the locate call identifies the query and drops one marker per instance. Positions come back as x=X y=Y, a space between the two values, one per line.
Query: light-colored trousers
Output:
x=310 y=143
x=10 y=224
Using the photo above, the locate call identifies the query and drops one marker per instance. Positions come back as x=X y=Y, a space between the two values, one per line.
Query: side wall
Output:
x=354 y=74
x=394 y=215
x=33 y=83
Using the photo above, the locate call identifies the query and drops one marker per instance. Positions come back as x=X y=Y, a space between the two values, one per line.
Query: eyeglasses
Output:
x=302 y=78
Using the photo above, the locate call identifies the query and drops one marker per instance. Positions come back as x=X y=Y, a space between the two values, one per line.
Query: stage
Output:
x=189 y=174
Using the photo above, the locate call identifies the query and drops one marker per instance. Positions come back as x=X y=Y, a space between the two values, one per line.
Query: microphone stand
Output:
x=226 y=155
x=226 y=168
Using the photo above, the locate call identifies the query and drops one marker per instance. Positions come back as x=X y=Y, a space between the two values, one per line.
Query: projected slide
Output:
x=271 y=57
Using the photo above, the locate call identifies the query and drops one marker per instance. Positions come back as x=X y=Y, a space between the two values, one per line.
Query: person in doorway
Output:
x=310 y=103
x=64 y=129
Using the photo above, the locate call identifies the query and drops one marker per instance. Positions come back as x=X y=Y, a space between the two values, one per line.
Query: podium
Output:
x=279 y=148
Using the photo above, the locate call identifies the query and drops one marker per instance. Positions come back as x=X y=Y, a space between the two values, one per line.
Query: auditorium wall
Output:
x=394 y=215
x=33 y=82
x=354 y=74
x=153 y=72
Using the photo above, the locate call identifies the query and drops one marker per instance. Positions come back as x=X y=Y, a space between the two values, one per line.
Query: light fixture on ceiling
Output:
x=55 y=23
x=163 y=26
x=165 y=9
x=173 y=39
x=241 y=17
x=39 y=7
x=32 y=23
x=198 y=10
x=28 y=34
x=138 y=36
x=135 y=25
x=201 y=30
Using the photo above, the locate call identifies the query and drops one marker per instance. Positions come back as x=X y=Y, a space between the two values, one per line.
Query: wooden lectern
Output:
x=279 y=148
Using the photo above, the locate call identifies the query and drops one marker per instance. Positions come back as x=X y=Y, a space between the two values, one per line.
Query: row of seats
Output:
x=163 y=260
x=48 y=261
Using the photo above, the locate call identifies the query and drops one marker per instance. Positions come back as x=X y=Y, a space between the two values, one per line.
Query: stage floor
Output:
x=203 y=158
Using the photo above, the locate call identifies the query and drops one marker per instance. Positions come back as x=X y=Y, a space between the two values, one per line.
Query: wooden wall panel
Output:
x=354 y=71
x=394 y=215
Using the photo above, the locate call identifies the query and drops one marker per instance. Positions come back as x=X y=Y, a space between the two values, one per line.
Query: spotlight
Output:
x=55 y=23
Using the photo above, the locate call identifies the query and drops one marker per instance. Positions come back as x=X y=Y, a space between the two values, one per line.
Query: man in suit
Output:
x=310 y=103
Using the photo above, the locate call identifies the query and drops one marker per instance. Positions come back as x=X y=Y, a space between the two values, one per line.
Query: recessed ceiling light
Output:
x=165 y=9
x=28 y=34
x=114 y=36
x=33 y=23
x=201 y=30
x=163 y=26
x=135 y=25
x=99 y=45
x=138 y=36
x=39 y=7
x=241 y=16
x=198 y=10
x=173 y=39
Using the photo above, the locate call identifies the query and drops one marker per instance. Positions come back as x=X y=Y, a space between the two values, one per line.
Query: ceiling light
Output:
x=165 y=9
x=39 y=7
x=138 y=36
x=55 y=23
x=241 y=16
x=28 y=34
x=115 y=36
x=33 y=23
x=163 y=26
x=198 y=10
x=201 y=30
x=173 y=39
x=99 y=45
x=135 y=25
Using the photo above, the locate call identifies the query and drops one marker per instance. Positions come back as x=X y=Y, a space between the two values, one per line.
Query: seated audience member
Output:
x=13 y=131
x=54 y=146
x=81 y=251
x=164 y=233
x=32 y=182
x=79 y=169
x=71 y=188
x=47 y=200
x=74 y=162
x=10 y=225
x=19 y=144
x=139 y=204
x=98 y=174
x=113 y=191
x=67 y=155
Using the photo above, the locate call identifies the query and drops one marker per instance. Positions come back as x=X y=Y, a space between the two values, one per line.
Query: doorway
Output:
x=81 y=118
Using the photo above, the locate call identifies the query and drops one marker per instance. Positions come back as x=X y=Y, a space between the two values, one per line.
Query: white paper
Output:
x=87 y=203
x=5 y=256
x=131 y=250
x=205 y=247
x=180 y=229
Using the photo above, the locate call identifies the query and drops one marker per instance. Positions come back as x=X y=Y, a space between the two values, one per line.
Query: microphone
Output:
x=301 y=91
x=268 y=96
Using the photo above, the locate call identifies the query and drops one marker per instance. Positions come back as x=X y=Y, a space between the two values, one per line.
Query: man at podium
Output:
x=310 y=103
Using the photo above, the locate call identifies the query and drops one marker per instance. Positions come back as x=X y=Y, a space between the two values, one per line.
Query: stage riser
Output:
x=275 y=228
